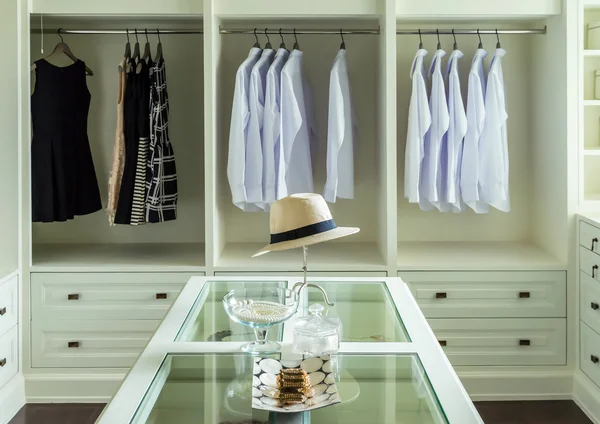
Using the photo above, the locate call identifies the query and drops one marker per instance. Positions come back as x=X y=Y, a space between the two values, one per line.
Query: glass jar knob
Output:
x=316 y=309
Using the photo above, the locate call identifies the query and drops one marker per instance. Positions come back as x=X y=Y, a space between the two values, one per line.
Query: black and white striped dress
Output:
x=161 y=176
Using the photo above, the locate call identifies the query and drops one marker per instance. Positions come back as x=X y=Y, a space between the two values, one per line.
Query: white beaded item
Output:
x=261 y=312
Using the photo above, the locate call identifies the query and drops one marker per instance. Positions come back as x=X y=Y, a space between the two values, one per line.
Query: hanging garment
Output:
x=138 y=208
x=419 y=121
x=118 y=164
x=341 y=134
x=274 y=187
x=435 y=140
x=469 y=171
x=493 y=147
x=238 y=133
x=161 y=182
x=253 y=179
x=457 y=128
x=296 y=126
x=63 y=179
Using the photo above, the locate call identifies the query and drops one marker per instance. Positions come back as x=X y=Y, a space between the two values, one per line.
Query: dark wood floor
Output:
x=543 y=412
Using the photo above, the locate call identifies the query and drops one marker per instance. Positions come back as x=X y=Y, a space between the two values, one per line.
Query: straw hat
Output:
x=301 y=220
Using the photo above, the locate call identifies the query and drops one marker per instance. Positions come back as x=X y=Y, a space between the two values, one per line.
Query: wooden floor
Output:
x=543 y=412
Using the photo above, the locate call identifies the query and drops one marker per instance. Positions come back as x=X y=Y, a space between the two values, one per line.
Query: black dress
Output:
x=63 y=179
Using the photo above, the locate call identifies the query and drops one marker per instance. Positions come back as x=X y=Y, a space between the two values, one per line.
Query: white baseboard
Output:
x=587 y=396
x=12 y=398
x=71 y=388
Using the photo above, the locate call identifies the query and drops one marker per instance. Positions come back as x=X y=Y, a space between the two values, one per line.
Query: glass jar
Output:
x=315 y=334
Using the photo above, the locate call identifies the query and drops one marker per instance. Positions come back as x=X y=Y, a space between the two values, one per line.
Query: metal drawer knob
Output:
x=161 y=295
x=2 y=311
x=73 y=296
x=524 y=342
x=441 y=295
x=594 y=268
x=442 y=342
x=594 y=241
x=73 y=344
x=595 y=306
x=524 y=295
x=2 y=362
x=594 y=359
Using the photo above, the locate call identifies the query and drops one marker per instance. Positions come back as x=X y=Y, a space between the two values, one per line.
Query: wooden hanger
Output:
x=63 y=48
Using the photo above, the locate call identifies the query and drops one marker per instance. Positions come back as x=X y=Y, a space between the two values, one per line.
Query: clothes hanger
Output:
x=498 y=45
x=282 y=45
x=296 y=45
x=63 y=48
x=455 y=47
x=439 y=44
x=343 y=45
x=480 y=46
x=420 y=40
x=136 y=48
x=147 y=52
x=127 y=54
x=257 y=44
x=159 y=50
x=268 y=45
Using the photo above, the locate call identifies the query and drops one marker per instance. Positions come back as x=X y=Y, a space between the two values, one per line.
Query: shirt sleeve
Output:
x=237 y=140
x=270 y=135
x=254 y=159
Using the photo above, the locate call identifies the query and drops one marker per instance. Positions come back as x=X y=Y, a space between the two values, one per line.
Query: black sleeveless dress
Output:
x=63 y=179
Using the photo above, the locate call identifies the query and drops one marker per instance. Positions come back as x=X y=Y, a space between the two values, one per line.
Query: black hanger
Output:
x=455 y=47
x=480 y=46
x=136 y=48
x=296 y=45
x=268 y=45
x=439 y=44
x=159 y=50
x=257 y=44
x=282 y=45
x=63 y=48
x=147 y=53
x=498 y=45
x=127 y=46
x=343 y=45
x=420 y=40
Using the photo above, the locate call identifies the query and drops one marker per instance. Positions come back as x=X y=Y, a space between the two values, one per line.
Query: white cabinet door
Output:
x=9 y=300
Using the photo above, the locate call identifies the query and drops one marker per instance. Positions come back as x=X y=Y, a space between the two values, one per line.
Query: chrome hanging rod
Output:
x=140 y=31
x=540 y=31
x=297 y=31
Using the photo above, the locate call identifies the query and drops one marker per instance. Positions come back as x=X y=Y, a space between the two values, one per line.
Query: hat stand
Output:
x=305 y=283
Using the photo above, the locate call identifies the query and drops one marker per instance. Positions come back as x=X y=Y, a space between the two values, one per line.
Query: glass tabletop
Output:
x=218 y=388
x=366 y=310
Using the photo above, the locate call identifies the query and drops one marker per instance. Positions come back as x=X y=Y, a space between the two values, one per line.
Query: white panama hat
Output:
x=302 y=220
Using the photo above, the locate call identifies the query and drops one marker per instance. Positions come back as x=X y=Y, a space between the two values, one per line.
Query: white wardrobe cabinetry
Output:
x=589 y=306
x=9 y=304
x=9 y=359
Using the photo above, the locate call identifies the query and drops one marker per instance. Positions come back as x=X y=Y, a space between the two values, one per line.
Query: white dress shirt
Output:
x=493 y=148
x=238 y=133
x=457 y=128
x=430 y=173
x=274 y=187
x=341 y=134
x=419 y=121
x=470 y=166
x=296 y=126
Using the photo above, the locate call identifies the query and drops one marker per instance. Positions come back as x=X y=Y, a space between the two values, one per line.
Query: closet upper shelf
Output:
x=487 y=9
x=480 y=256
x=135 y=8
x=296 y=9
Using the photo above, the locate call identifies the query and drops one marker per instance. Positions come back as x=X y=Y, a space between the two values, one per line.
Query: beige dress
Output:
x=118 y=164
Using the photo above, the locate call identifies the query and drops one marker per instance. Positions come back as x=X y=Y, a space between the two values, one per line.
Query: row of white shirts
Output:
x=457 y=158
x=272 y=131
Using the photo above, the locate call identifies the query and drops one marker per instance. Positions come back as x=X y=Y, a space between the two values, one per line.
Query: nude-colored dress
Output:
x=118 y=165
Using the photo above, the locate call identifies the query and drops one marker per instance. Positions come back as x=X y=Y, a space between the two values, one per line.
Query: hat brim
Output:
x=307 y=241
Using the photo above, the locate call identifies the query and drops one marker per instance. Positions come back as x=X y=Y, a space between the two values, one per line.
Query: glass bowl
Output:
x=260 y=309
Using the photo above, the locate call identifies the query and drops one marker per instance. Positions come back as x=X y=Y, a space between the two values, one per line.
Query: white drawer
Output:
x=589 y=307
x=104 y=296
x=489 y=342
x=9 y=300
x=9 y=355
x=381 y=274
x=589 y=263
x=590 y=353
x=489 y=294
x=589 y=237
x=89 y=344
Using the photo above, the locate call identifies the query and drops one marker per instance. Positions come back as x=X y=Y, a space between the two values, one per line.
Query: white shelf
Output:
x=464 y=256
x=323 y=257
x=591 y=102
x=591 y=53
x=118 y=257
x=591 y=151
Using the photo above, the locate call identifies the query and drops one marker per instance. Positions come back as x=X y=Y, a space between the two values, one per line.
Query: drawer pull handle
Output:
x=73 y=296
x=595 y=306
x=524 y=295
x=73 y=344
x=161 y=295
x=524 y=342
x=594 y=241
x=594 y=359
x=442 y=342
x=594 y=268
x=2 y=362
x=441 y=295
x=3 y=311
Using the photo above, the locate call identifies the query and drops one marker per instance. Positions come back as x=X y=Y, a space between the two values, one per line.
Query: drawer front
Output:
x=589 y=262
x=489 y=294
x=590 y=353
x=311 y=274
x=9 y=301
x=9 y=355
x=589 y=307
x=489 y=342
x=589 y=237
x=89 y=344
x=104 y=296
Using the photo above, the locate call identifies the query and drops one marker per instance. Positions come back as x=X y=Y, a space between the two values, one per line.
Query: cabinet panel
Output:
x=590 y=301
x=381 y=274
x=487 y=8
x=488 y=342
x=9 y=300
x=89 y=344
x=9 y=358
x=488 y=294
x=590 y=353
x=133 y=7
x=109 y=296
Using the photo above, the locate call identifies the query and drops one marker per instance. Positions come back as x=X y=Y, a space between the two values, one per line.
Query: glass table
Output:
x=390 y=368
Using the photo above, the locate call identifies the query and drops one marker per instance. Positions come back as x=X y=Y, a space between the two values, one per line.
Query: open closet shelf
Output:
x=424 y=256
x=323 y=257
x=119 y=257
